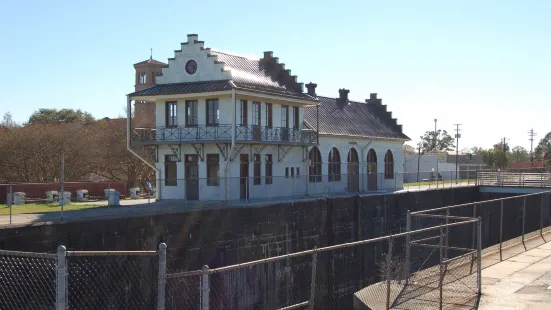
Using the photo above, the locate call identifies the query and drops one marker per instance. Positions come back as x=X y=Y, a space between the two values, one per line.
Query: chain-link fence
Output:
x=27 y=280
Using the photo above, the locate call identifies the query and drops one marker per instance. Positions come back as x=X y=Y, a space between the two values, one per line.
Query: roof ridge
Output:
x=234 y=54
x=335 y=98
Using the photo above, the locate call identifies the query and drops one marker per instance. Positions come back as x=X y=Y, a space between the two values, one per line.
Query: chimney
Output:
x=311 y=89
x=191 y=38
x=268 y=55
x=373 y=96
x=343 y=97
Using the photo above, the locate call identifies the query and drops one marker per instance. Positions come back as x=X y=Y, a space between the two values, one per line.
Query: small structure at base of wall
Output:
x=52 y=196
x=18 y=198
x=82 y=195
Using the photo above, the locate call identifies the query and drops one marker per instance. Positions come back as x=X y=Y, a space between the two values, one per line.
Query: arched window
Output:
x=389 y=165
x=315 y=165
x=372 y=162
x=334 y=165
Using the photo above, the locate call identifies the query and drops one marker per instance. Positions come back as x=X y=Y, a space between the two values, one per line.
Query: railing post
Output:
x=205 y=288
x=523 y=218
x=541 y=216
x=501 y=231
x=441 y=246
x=408 y=245
x=388 y=270
x=61 y=278
x=313 y=279
x=474 y=229
x=161 y=283
x=479 y=254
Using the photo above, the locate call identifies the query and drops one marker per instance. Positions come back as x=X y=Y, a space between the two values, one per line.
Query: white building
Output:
x=229 y=127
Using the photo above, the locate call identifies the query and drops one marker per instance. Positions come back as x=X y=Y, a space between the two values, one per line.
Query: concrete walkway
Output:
x=522 y=281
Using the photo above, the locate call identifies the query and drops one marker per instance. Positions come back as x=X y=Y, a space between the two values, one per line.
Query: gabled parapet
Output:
x=381 y=110
x=278 y=72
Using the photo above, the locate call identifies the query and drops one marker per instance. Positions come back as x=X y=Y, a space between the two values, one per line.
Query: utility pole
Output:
x=457 y=136
x=435 y=137
x=532 y=134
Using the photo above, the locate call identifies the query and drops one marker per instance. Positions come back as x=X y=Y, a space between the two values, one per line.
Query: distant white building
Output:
x=230 y=127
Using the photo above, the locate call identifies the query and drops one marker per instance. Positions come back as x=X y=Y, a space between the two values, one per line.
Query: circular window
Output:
x=191 y=67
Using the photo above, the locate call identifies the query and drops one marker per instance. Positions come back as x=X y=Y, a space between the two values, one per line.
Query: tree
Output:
x=7 y=121
x=519 y=155
x=544 y=146
x=53 y=116
x=436 y=141
x=408 y=150
x=477 y=150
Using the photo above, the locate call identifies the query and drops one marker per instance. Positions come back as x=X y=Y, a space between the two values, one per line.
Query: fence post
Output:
x=447 y=232
x=205 y=288
x=474 y=228
x=441 y=246
x=523 y=218
x=313 y=280
x=500 y=231
x=541 y=216
x=388 y=270
x=408 y=245
x=161 y=283
x=479 y=254
x=61 y=278
x=10 y=201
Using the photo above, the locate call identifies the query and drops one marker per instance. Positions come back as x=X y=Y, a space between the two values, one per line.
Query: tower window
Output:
x=143 y=77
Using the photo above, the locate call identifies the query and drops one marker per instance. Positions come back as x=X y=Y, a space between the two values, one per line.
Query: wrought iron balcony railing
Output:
x=252 y=133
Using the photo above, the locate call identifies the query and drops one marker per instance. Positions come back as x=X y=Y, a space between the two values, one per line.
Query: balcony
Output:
x=223 y=133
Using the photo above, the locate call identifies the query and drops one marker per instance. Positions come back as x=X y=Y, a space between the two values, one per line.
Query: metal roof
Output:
x=184 y=88
x=353 y=119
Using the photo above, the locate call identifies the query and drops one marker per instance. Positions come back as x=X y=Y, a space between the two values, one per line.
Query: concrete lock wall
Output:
x=229 y=236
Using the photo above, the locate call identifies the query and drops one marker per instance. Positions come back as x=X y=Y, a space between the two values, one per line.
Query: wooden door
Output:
x=244 y=177
x=192 y=177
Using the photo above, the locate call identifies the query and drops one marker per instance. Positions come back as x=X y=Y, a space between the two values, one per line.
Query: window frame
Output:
x=244 y=112
x=213 y=162
x=285 y=116
x=257 y=166
x=171 y=107
x=389 y=165
x=314 y=170
x=216 y=116
x=296 y=118
x=171 y=163
x=269 y=169
x=194 y=110
x=269 y=115
x=334 y=165
x=257 y=114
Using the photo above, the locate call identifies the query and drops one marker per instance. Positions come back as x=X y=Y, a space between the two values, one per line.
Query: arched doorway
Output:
x=353 y=171
x=371 y=170
x=334 y=165
x=389 y=165
x=314 y=171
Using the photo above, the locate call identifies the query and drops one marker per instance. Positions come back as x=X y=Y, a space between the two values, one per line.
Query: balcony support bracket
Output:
x=200 y=150
x=176 y=150
x=237 y=152
x=152 y=151
x=305 y=153
x=258 y=150
x=224 y=149
x=282 y=151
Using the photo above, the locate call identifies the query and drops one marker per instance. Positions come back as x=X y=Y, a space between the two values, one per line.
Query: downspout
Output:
x=128 y=129
x=365 y=162
x=228 y=159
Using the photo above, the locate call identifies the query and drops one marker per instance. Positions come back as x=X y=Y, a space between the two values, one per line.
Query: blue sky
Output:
x=484 y=64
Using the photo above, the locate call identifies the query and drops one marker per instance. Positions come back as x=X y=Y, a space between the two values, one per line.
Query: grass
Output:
x=471 y=181
x=49 y=207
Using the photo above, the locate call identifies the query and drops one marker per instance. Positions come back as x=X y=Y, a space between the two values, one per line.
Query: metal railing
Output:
x=251 y=133
x=514 y=178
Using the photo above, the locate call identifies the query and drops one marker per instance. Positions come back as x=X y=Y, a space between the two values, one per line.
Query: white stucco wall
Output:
x=207 y=69
x=426 y=164
x=282 y=186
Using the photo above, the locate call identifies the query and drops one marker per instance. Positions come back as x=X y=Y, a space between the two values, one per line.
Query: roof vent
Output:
x=311 y=89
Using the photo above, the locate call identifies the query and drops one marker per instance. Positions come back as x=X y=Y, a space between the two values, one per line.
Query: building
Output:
x=230 y=127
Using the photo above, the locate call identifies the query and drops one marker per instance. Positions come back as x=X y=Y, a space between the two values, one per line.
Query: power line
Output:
x=532 y=134
x=457 y=136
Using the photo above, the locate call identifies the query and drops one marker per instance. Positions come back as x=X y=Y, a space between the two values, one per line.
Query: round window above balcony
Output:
x=191 y=67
